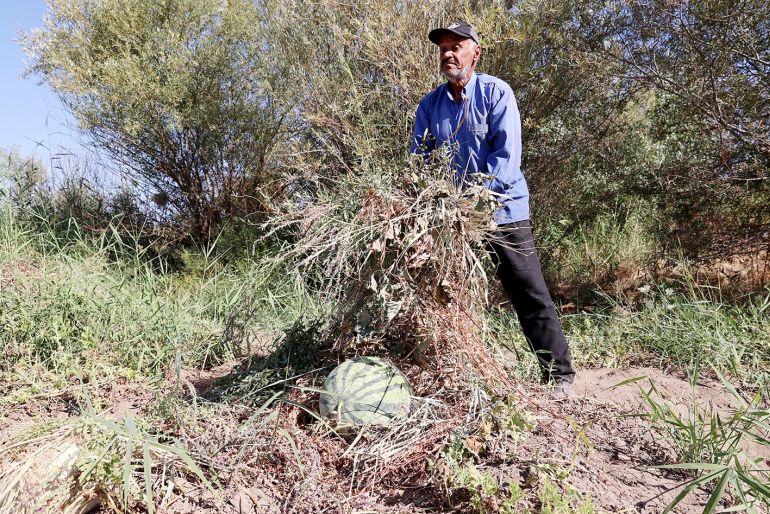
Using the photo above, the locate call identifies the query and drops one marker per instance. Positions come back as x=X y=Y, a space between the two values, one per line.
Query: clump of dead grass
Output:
x=75 y=465
x=403 y=259
x=401 y=256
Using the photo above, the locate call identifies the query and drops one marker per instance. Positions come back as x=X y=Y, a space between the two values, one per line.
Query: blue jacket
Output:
x=488 y=140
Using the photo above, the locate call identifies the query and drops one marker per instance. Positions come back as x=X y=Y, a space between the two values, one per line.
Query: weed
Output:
x=615 y=250
x=485 y=494
x=411 y=253
x=555 y=500
x=680 y=325
x=712 y=445
x=79 y=313
x=91 y=455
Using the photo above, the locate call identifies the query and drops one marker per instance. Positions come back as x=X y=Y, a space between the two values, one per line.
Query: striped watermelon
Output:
x=365 y=390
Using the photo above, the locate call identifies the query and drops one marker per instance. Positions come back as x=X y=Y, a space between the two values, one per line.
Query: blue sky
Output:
x=29 y=113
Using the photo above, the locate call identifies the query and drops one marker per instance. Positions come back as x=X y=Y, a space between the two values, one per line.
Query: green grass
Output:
x=76 y=311
x=681 y=327
x=712 y=446
x=692 y=327
x=79 y=314
x=614 y=251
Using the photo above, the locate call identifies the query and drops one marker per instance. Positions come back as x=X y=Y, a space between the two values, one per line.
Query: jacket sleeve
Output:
x=423 y=141
x=504 y=158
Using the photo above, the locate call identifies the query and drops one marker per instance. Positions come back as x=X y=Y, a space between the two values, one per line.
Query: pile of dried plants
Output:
x=404 y=260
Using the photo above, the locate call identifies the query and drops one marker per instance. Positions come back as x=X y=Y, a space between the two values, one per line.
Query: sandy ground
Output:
x=619 y=472
x=605 y=385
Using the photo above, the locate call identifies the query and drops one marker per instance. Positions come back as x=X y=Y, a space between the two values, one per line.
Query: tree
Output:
x=708 y=63
x=177 y=91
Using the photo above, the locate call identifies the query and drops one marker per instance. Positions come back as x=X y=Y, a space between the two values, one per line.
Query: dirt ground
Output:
x=611 y=461
x=603 y=385
x=618 y=471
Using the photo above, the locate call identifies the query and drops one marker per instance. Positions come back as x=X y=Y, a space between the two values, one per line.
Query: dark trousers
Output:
x=518 y=268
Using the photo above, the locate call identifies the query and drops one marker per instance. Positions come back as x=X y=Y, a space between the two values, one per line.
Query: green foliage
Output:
x=223 y=109
x=20 y=179
x=652 y=100
x=130 y=450
x=486 y=495
x=710 y=60
x=683 y=325
x=708 y=64
x=176 y=90
x=356 y=79
x=575 y=131
x=72 y=204
x=712 y=445
x=77 y=311
x=514 y=422
x=615 y=252
x=127 y=465
x=555 y=501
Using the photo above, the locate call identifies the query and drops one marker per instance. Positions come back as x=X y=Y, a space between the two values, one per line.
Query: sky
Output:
x=32 y=120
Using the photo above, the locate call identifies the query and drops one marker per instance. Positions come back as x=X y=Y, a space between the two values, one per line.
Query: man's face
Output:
x=458 y=56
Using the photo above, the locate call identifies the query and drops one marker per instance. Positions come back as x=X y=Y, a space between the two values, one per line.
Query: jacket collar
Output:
x=467 y=91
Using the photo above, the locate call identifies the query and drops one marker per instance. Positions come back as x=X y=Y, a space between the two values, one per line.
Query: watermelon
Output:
x=365 y=391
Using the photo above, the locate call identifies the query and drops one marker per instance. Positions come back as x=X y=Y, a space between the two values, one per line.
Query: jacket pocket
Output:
x=480 y=128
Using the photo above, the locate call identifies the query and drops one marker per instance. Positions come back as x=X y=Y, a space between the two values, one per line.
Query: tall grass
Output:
x=680 y=327
x=614 y=252
x=677 y=327
x=75 y=309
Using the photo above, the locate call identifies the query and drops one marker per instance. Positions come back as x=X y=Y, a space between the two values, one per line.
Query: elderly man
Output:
x=476 y=117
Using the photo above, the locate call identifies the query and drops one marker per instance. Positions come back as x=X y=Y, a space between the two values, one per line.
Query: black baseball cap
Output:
x=459 y=28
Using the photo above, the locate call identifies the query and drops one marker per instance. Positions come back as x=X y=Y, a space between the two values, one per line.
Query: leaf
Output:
x=148 y=479
x=192 y=466
x=294 y=449
x=127 y=470
x=726 y=383
x=631 y=380
x=718 y=492
x=693 y=466
x=688 y=489
x=378 y=246
x=474 y=445
x=756 y=486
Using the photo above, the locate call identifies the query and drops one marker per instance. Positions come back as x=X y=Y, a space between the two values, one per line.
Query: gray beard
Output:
x=456 y=75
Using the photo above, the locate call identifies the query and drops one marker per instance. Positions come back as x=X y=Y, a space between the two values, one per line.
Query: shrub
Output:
x=176 y=91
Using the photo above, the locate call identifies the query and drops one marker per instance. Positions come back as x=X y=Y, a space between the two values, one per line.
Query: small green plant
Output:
x=554 y=500
x=75 y=310
x=485 y=494
x=711 y=445
x=514 y=422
